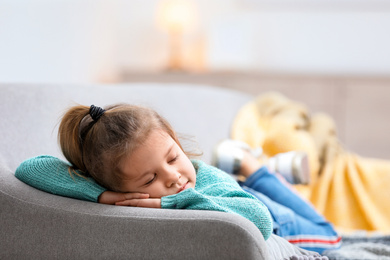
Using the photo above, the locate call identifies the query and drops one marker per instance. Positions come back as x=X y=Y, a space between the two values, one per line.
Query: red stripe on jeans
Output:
x=319 y=241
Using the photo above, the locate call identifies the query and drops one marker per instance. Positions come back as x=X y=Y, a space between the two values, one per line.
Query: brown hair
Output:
x=97 y=148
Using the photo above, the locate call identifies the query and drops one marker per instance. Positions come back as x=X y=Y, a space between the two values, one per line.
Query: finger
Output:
x=135 y=195
x=131 y=203
x=147 y=203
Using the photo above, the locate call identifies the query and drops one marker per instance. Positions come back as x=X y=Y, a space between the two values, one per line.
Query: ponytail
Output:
x=69 y=136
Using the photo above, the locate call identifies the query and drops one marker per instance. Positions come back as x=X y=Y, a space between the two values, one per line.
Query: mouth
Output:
x=183 y=187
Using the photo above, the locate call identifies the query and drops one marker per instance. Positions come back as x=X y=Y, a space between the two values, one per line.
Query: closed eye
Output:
x=174 y=159
x=152 y=180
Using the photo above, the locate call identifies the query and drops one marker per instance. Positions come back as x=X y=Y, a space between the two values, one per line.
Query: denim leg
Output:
x=298 y=230
x=294 y=219
x=268 y=184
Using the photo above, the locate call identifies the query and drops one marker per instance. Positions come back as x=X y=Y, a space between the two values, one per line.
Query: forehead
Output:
x=155 y=147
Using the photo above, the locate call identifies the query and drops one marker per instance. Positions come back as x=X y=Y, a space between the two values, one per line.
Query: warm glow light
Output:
x=177 y=18
x=176 y=15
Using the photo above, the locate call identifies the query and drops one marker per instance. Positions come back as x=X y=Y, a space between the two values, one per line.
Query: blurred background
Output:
x=98 y=40
x=332 y=55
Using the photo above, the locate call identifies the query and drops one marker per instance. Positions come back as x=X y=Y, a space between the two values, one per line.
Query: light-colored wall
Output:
x=56 y=41
x=300 y=40
x=94 y=40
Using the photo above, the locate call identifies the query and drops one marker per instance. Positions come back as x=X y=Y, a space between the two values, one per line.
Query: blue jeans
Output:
x=293 y=218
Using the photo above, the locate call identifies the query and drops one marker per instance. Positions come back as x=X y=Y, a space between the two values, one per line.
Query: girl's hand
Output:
x=129 y=199
x=112 y=197
x=141 y=202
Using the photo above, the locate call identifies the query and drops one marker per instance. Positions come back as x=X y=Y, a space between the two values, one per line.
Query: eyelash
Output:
x=174 y=159
x=154 y=177
x=149 y=182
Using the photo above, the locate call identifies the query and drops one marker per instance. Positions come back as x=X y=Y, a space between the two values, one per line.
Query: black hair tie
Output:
x=96 y=112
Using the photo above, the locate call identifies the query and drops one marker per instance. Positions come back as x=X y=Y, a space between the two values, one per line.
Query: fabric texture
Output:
x=294 y=218
x=214 y=190
x=37 y=225
x=361 y=246
x=280 y=248
x=351 y=191
x=52 y=175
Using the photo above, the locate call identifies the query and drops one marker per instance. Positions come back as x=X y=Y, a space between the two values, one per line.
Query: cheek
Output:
x=153 y=193
x=158 y=192
x=189 y=168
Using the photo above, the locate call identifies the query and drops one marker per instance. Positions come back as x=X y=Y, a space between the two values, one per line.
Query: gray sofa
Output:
x=39 y=225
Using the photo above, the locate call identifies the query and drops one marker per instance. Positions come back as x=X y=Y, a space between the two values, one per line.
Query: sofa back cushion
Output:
x=30 y=113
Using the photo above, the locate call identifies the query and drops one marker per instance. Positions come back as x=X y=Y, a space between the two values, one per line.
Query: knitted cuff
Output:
x=50 y=174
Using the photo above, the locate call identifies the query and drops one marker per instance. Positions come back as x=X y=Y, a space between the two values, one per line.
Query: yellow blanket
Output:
x=352 y=192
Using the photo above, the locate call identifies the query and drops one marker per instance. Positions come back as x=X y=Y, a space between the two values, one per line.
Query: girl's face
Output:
x=158 y=167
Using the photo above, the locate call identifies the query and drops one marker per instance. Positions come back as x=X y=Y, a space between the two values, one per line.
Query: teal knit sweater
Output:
x=214 y=190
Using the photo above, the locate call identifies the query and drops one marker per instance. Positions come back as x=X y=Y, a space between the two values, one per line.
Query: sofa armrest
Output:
x=38 y=225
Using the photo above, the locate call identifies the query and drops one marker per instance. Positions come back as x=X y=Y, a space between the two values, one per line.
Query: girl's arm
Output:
x=235 y=201
x=50 y=174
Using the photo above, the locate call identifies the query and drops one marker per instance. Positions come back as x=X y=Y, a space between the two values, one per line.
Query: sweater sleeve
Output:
x=50 y=174
x=221 y=194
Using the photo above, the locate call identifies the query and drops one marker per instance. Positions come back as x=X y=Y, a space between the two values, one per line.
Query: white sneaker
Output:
x=293 y=166
x=228 y=154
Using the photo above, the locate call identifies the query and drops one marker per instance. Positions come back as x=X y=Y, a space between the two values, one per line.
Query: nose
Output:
x=172 y=177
